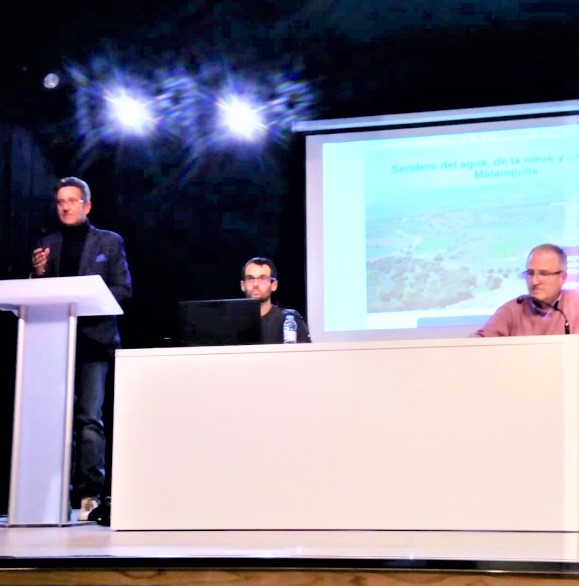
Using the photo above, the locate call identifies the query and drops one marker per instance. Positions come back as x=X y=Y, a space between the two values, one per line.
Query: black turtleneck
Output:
x=73 y=238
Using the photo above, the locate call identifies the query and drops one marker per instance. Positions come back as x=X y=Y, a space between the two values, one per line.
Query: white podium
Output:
x=47 y=310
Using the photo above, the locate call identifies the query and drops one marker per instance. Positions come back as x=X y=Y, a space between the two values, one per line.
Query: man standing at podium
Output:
x=80 y=249
x=547 y=309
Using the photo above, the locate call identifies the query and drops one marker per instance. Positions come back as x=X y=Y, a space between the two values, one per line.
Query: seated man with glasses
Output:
x=78 y=249
x=259 y=281
x=548 y=309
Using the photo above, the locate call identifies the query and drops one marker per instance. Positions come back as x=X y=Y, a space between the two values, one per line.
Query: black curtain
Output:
x=26 y=183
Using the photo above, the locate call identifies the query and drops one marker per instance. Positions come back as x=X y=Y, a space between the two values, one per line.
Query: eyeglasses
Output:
x=530 y=273
x=262 y=279
x=71 y=201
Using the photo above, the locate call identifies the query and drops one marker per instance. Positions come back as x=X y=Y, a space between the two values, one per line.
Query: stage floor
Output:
x=80 y=543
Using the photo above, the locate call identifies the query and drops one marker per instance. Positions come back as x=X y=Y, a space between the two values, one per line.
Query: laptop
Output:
x=219 y=322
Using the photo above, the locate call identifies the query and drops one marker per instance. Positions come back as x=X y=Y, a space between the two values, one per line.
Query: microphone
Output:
x=541 y=304
x=538 y=304
x=556 y=307
x=41 y=234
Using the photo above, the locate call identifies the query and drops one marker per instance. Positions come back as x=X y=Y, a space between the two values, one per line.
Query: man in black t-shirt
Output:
x=259 y=281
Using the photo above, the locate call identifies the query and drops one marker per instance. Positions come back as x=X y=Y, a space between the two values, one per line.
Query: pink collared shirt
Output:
x=521 y=317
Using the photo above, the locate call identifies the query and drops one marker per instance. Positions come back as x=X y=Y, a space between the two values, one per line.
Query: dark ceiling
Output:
x=361 y=58
x=392 y=49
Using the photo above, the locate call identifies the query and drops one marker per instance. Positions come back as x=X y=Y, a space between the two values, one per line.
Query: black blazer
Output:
x=103 y=254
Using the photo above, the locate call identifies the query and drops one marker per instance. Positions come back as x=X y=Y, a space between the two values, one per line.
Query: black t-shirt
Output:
x=272 y=326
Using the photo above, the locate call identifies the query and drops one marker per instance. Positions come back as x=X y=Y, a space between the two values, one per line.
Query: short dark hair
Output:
x=74 y=182
x=261 y=261
x=551 y=248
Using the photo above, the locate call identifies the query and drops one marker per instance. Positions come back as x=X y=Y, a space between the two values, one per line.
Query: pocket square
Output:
x=101 y=258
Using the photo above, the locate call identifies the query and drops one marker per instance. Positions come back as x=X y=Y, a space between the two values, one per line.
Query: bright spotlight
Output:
x=241 y=119
x=51 y=81
x=130 y=113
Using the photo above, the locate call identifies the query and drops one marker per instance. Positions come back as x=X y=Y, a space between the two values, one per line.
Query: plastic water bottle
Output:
x=290 y=329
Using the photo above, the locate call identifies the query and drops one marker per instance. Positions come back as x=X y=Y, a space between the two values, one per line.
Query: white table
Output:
x=459 y=434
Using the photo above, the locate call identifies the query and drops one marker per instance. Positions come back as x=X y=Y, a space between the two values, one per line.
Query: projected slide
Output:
x=430 y=227
x=449 y=219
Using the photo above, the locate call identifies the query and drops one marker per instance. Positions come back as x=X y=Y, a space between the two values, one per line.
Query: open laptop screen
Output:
x=219 y=322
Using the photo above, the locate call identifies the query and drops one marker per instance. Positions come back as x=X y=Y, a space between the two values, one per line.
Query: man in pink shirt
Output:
x=548 y=309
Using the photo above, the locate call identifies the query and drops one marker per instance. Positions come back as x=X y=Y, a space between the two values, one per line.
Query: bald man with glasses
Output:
x=547 y=308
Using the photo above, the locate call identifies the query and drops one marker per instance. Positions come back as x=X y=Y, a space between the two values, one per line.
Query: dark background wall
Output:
x=190 y=222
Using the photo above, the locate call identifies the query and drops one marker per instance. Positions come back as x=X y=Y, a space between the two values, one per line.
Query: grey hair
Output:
x=551 y=248
x=75 y=182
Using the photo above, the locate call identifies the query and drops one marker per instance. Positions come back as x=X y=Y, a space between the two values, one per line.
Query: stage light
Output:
x=292 y=100
x=130 y=112
x=178 y=107
x=185 y=115
x=51 y=81
x=241 y=118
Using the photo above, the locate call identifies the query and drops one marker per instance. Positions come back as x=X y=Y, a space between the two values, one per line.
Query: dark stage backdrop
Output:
x=25 y=178
x=184 y=239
